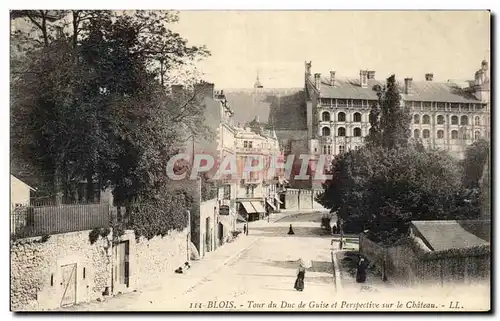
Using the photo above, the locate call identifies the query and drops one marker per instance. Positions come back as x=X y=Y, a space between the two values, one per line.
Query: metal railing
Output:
x=31 y=221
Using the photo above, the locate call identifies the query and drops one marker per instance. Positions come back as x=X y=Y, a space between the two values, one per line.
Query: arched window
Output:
x=464 y=120
x=440 y=119
x=426 y=119
x=454 y=120
x=325 y=131
x=325 y=116
x=440 y=134
x=416 y=119
x=477 y=135
x=357 y=132
x=341 y=116
x=426 y=133
x=416 y=133
x=477 y=121
x=454 y=134
x=341 y=131
x=357 y=117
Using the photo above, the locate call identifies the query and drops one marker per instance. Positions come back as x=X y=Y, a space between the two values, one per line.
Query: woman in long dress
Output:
x=301 y=273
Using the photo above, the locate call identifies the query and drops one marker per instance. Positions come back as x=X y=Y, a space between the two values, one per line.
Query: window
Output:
x=341 y=116
x=477 y=121
x=325 y=116
x=341 y=131
x=248 y=190
x=324 y=149
x=440 y=119
x=357 y=117
x=454 y=134
x=357 y=132
x=454 y=120
x=426 y=133
x=341 y=149
x=250 y=144
x=245 y=143
x=464 y=120
x=329 y=150
x=426 y=119
x=416 y=119
x=440 y=134
x=325 y=131
x=477 y=135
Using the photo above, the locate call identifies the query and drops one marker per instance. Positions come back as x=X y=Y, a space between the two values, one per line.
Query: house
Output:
x=19 y=192
x=435 y=252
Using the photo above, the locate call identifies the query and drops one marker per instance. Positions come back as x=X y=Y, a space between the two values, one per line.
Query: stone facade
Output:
x=301 y=199
x=37 y=270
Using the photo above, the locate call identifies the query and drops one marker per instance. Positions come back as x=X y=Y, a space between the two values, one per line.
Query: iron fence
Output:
x=31 y=221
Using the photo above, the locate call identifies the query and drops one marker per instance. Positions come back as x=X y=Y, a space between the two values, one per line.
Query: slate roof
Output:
x=283 y=107
x=443 y=235
x=349 y=88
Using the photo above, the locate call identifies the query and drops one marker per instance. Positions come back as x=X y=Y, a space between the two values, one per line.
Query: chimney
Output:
x=317 y=80
x=363 y=81
x=308 y=68
x=204 y=89
x=429 y=77
x=177 y=90
x=332 y=78
x=371 y=74
x=408 y=85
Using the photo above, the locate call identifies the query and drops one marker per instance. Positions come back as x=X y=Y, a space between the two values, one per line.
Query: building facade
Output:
x=445 y=115
x=257 y=193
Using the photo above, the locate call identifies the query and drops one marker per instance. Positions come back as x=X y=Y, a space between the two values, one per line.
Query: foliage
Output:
x=208 y=188
x=98 y=232
x=89 y=102
x=473 y=163
x=160 y=215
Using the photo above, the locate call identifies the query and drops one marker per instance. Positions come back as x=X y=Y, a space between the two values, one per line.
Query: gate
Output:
x=68 y=284
x=121 y=273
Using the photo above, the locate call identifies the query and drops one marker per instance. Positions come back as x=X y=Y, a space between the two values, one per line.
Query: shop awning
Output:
x=271 y=204
x=226 y=224
x=248 y=207
x=278 y=199
x=258 y=207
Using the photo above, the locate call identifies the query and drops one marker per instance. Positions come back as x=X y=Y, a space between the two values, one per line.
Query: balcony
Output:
x=251 y=181
x=249 y=150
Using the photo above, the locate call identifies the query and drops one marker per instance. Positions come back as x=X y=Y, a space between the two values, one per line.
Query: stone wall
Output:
x=151 y=260
x=305 y=199
x=37 y=270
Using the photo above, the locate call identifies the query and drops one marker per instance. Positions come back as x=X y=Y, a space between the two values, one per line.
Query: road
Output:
x=266 y=270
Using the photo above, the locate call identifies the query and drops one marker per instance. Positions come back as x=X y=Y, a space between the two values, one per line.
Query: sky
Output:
x=275 y=44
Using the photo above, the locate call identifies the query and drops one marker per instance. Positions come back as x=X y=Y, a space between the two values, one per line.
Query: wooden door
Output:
x=68 y=284
x=122 y=266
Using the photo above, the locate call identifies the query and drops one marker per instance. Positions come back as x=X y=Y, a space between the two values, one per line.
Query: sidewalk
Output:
x=174 y=285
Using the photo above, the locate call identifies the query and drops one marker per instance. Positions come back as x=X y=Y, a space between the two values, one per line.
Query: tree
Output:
x=89 y=106
x=395 y=119
x=473 y=163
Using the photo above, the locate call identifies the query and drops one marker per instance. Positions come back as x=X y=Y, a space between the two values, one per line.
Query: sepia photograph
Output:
x=250 y=160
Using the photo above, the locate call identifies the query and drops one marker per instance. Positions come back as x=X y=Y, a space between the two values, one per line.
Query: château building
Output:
x=445 y=115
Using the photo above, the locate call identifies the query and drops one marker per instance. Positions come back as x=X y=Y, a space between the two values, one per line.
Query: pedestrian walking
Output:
x=290 y=230
x=245 y=229
x=361 y=271
x=301 y=274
